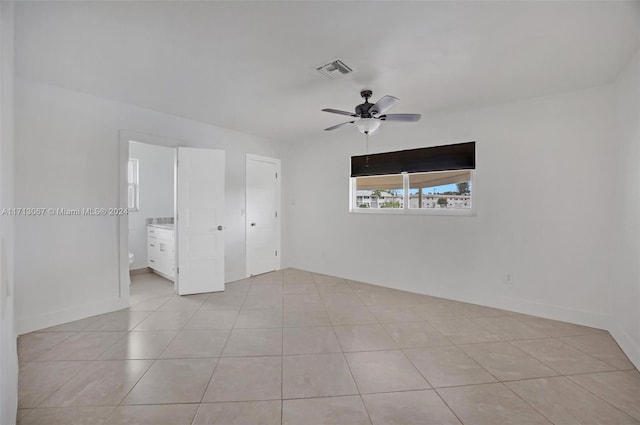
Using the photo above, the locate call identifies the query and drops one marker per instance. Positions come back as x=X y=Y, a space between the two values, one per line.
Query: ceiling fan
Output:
x=370 y=115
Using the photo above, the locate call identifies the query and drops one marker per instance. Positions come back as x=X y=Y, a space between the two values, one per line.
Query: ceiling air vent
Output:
x=335 y=69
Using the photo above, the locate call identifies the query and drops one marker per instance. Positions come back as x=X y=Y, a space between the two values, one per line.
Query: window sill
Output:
x=413 y=211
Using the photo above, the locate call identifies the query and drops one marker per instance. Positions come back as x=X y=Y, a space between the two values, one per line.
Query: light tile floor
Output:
x=293 y=347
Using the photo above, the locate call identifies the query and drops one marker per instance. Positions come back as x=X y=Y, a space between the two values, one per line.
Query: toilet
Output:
x=132 y=258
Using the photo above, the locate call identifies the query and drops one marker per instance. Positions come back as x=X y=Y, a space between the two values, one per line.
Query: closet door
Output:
x=262 y=220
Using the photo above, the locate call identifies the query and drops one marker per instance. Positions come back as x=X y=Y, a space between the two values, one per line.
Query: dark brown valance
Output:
x=460 y=156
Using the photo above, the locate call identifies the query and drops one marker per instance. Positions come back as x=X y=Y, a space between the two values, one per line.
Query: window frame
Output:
x=135 y=184
x=468 y=212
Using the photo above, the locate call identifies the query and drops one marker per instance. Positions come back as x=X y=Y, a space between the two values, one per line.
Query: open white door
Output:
x=263 y=214
x=200 y=206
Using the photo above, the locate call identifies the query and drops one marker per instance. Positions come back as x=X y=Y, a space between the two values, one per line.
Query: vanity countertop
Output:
x=168 y=226
x=161 y=222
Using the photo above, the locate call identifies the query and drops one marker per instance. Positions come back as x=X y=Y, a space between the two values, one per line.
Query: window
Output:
x=133 y=196
x=379 y=191
x=427 y=180
x=441 y=189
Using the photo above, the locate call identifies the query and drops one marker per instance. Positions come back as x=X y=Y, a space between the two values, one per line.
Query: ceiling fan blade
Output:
x=383 y=105
x=401 y=117
x=337 y=111
x=338 y=126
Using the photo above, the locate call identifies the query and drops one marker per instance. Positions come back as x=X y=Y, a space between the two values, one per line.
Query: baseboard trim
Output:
x=34 y=323
x=172 y=279
x=135 y=272
x=517 y=305
x=626 y=343
x=522 y=306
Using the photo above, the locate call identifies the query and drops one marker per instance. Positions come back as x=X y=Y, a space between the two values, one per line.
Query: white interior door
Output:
x=200 y=206
x=263 y=214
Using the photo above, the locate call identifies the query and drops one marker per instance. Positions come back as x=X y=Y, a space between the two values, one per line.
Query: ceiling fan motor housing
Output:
x=362 y=110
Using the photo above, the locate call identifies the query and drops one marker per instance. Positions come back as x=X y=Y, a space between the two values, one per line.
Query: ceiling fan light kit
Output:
x=367 y=125
x=370 y=115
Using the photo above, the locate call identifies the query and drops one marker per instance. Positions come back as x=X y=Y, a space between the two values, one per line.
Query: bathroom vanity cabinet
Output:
x=161 y=250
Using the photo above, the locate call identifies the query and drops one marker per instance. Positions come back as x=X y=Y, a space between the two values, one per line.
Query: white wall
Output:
x=156 y=183
x=625 y=284
x=555 y=148
x=8 y=350
x=67 y=155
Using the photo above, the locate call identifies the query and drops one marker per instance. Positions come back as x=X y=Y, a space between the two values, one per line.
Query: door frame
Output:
x=278 y=164
x=127 y=136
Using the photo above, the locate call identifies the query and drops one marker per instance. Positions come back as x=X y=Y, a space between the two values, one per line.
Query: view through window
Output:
x=380 y=192
x=443 y=190
x=438 y=178
x=436 y=190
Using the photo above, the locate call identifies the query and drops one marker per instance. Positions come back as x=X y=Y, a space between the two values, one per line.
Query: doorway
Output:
x=175 y=227
x=151 y=206
x=262 y=214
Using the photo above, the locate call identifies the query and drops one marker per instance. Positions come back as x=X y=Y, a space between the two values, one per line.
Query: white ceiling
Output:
x=250 y=66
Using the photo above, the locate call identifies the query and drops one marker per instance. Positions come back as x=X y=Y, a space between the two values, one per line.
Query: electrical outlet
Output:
x=507 y=279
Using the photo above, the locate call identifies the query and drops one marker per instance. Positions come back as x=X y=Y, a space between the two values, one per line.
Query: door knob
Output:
x=220 y=227
x=253 y=224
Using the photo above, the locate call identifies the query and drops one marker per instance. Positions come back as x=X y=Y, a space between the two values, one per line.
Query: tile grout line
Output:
x=87 y=366
x=528 y=379
x=282 y=358
x=538 y=359
x=591 y=355
x=400 y=348
x=219 y=358
x=418 y=370
x=345 y=358
x=474 y=320
x=349 y=365
x=155 y=361
x=447 y=404
x=541 y=360
x=434 y=389
x=568 y=377
x=63 y=384
x=221 y=351
x=526 y=402
x=73 y=333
